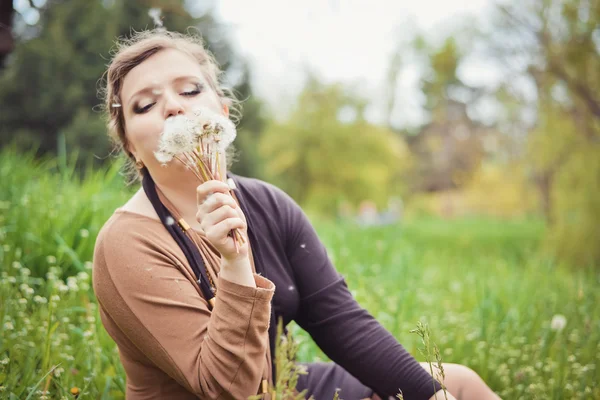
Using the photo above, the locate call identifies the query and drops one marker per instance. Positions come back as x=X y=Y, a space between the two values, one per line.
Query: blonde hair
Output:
x=133 y=51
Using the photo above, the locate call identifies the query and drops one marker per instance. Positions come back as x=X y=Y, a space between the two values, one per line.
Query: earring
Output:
x=139 y=164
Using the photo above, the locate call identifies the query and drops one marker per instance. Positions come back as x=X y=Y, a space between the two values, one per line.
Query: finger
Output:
x=219 y=233
x=240 y=213
x=209 y=187
x=216 y=201
x=218 y=215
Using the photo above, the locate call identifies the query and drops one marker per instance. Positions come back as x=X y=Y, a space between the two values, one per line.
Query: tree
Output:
x=6 y=39
x=326 y=153
x=554 y=45
x=448 y=149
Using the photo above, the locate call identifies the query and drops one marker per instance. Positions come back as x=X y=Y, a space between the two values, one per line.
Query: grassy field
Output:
x=486 y=294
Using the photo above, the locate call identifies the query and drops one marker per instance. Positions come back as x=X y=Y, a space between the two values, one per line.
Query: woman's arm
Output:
x=346 y=332
x=146 y=291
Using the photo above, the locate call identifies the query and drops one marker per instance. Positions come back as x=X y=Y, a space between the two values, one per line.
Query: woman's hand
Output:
x=218 y=214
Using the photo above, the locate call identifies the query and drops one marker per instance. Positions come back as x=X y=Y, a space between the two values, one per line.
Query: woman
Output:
x=175 y=341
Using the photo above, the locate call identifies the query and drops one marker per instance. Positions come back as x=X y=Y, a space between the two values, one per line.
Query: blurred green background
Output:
x=471 y=204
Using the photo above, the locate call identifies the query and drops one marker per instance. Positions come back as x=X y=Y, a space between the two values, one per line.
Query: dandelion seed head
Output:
x=558 y=322
x=177 y=138
x=219 y=126
x=155 y=14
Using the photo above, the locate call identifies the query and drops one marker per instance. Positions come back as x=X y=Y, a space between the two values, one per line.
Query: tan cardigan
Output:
x=171 y=345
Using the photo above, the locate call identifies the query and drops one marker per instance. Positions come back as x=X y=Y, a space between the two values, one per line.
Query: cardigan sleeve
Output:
x=144 y=290
x=346 y=332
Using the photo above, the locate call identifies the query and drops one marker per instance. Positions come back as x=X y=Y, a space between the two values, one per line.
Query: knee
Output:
x=461 y=372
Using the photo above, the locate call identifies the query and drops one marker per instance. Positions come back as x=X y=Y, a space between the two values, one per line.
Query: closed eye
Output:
x=197 y=90
x=144 y=109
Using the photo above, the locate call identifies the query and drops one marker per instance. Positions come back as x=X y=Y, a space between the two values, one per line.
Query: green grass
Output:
x=480 y=285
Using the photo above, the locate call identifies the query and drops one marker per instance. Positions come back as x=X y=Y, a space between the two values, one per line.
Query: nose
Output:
x=173 y=105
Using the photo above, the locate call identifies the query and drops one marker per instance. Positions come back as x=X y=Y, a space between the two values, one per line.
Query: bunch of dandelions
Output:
x=199 y=143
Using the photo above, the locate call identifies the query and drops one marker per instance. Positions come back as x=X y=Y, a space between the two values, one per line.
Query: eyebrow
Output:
x=152 y=87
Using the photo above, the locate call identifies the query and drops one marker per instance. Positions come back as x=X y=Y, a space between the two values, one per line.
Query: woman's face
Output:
x=168 y=83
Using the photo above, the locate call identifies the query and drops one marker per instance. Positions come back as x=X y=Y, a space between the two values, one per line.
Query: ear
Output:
x=226 y=110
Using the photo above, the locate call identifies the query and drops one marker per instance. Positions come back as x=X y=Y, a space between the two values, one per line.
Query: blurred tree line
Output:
x=540 y=154
x=49 y=84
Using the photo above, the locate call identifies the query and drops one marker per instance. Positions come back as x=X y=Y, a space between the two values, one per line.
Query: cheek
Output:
x=144 y=132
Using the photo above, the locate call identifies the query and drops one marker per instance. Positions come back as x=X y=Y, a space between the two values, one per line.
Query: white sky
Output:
x=342 y=40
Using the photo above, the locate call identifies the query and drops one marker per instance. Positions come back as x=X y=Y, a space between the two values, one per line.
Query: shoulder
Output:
x=128 y=239
x=264 y=195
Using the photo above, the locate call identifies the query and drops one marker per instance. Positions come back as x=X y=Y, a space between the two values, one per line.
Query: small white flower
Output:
x=88 y=265
x=83 y=276
x=84 y=233
x=40 y=299
x=87 y=334
x=5 y=361
x=51 y=260
x=11 y=279
x=558 y=322
x=22 y=301
x=55 y=297
x=16 y=265
x=58 y=371
x=8 y=326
